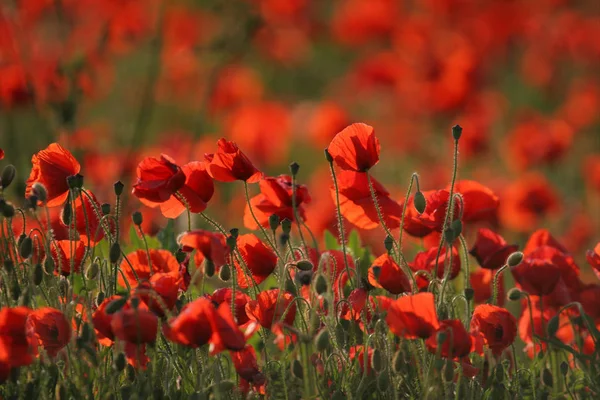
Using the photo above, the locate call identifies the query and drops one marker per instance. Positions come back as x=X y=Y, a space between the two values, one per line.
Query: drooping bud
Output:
x=547 y=377
x=320 y=284
x=26 y=247
x=296 y=369
x=116 y=305
x=92 y=271
x=8 y=211
x=137 y=218
x=290 y=287
x=469 y=293
x=8 y=175
x=328 y=156
x=420 y=202
x=514 y=294
x=100 y=298
x=49 y=265
x=457 y=132
x=40 y=192
x=225 y=273
x=304 y=265
x=63 y=287
x=552 y=327
x=514 y=259
x=274 y=222
x=38 y=274
x=209 y=268
x=114 y=253
x=388 y=242
x=377 y=360
x=322 y=341
x=286 y=226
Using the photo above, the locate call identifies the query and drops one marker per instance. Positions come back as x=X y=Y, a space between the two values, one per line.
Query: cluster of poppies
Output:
x=282 y=289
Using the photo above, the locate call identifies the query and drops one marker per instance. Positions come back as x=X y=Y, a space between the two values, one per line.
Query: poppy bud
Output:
x=49 y=265
x=547 y=377
x=105 y=208
x=514 y=259
x=398 y=362
x=514 y=294
x=383 y=382
x=115 y=305
x=469 y=293
x=225 y=273
x=209 y=268
x=320 y=284
x=449 y=371
x=32 y=202
x=273 y=221
x=137 y=218
x=420 y=202
x=63 y=287
x=115 y=253
x=66 y=214
x=564 y=368
x=38 y=274
x=297 y=370
x=294 y=167
x=376 y=360
x=284 y=238
x=231 y=242
x=322 y=342
x=456 y=226
x=286 y=226
x=120 y=362
x=235 y=232
x=552 y=327
x=290 y=287
x=39 y=191
x=449 y=235
x=118 y=186
x=457 y=132
x=8 y=211
x=8 y=175
x=388 y=242
x=130 y=372
x=304 y=265
x=328 y=156
x=304 y=277
x=26 y=247
x=99 y=298
x=92 y=271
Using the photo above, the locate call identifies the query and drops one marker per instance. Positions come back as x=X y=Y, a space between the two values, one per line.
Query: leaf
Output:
x=331 y=242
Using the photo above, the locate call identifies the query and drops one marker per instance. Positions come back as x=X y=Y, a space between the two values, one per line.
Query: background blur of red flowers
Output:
x=117 y=81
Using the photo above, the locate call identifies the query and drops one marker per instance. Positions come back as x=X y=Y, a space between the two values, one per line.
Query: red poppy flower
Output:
x=229 y=164
x=390 y=276
x=258 y=258
x=223 y=295
x=458 y=341
x=589 y=297
x=432 y=219
x=200 y=323
x=67 y=255
x=481 y=283
x=158 y=179
x=194 y=194
x=246 y=366
x=102 y=321
x=51 y=167
x=209 y=246
x=480 y=203
x=496 y=324
x=86 y=221
x=527 y=201
x=16 y=347
x=355 y=148
x=593 y=257
x=269 y=307
x=356 y=202
x=164 y=285
x=413 y=316
x=136 y=356
x=537 y=276
x=358 y=352
x=137 y=326
x=491 y=250
x=355 y=306
x=161 y=261
x=542 y=237
x=275 y=198
x=51 y=329
x=425 y=261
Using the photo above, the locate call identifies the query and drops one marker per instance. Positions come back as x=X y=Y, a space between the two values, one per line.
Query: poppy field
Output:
x=296 y=199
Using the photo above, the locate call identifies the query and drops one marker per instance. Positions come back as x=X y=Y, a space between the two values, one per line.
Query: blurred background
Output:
x=117 y=80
